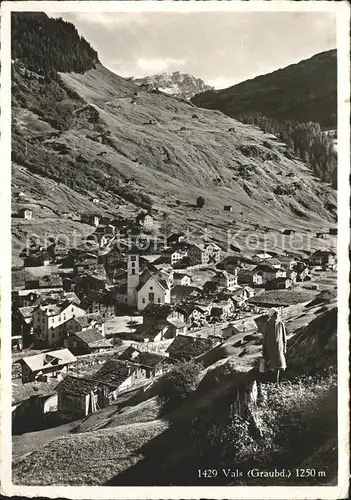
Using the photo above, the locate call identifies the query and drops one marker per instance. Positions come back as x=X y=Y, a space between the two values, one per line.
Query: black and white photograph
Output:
x=175 y=298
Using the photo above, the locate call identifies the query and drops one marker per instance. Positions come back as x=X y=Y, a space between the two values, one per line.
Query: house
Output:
x=105 y=230
x=91 y=219
x=260 y=256
x=49 y=321
x=272 y=262
x=97 y=302
x=49 y=282
x=270 y=273
x=185 y=347
x=228 y=208
x=181 y=293
x=87 y=283
x=302 y=271
x=280 y=283
x=181 y=279
x=25 y=213
x=76 y=397
x=177 y=254
x=245 y=326
x=176 y=238
x=22 y=323
x=144 y=219
x=86 y=322
x=149 y=286
x=287 y=262
x=86 y=342
x=250 y=276
x=323 y=258
x=155 y=365
x=249 y=291
x=118 y=377
x=225 y=280
x=46 y=365
x=210 y=253
x=153 y=330
x=222 y=309
x=31 y=404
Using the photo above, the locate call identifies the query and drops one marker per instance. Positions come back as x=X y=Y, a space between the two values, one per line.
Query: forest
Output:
x=47 y=45
x=306 y=139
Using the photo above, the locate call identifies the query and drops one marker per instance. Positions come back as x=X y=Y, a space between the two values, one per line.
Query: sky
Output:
x=222 y=48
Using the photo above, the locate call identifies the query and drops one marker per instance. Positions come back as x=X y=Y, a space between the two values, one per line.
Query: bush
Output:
x=200 y=202
x=179 y=383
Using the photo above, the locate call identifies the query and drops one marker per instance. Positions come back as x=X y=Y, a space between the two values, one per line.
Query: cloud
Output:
x=221 y=82
x=150 y=66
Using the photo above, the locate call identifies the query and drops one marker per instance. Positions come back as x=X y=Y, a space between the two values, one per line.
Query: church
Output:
x=146 y=286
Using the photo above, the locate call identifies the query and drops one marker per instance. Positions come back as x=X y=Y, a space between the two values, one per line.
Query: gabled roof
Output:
x=245 y=325
x=113 y=373
x=266 y=268
x=187 y=347
x=27 y=312
x=42 y=360
x=322 y=253
x=76 y=385
x=50 y=280
x=147 y=275
x=143 y=358
x=92 y=338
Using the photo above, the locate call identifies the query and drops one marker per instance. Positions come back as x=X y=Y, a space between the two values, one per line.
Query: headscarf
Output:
x=272 y=311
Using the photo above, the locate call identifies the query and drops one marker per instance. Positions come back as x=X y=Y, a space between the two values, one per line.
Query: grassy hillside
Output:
x=305 y=91
x=90 y=135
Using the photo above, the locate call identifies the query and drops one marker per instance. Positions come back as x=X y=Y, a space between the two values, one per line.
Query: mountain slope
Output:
x=305 y=91
x=176 y=84
x=97 y=134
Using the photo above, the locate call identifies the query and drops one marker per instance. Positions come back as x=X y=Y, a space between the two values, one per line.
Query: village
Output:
x=113 y=315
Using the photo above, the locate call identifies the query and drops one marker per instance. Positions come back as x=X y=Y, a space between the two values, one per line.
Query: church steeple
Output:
x=133 y=272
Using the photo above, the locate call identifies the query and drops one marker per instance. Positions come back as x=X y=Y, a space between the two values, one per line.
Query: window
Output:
x=133 y=258
x=133 y=264
x=151 y=297
x=143 y=301
x=159 y=300
x=133 y=271
x=151 y=287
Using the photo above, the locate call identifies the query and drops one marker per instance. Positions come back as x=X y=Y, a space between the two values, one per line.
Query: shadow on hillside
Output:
x=173 y=457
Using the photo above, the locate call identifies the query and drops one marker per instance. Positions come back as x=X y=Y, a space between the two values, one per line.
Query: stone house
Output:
x=87 y=342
